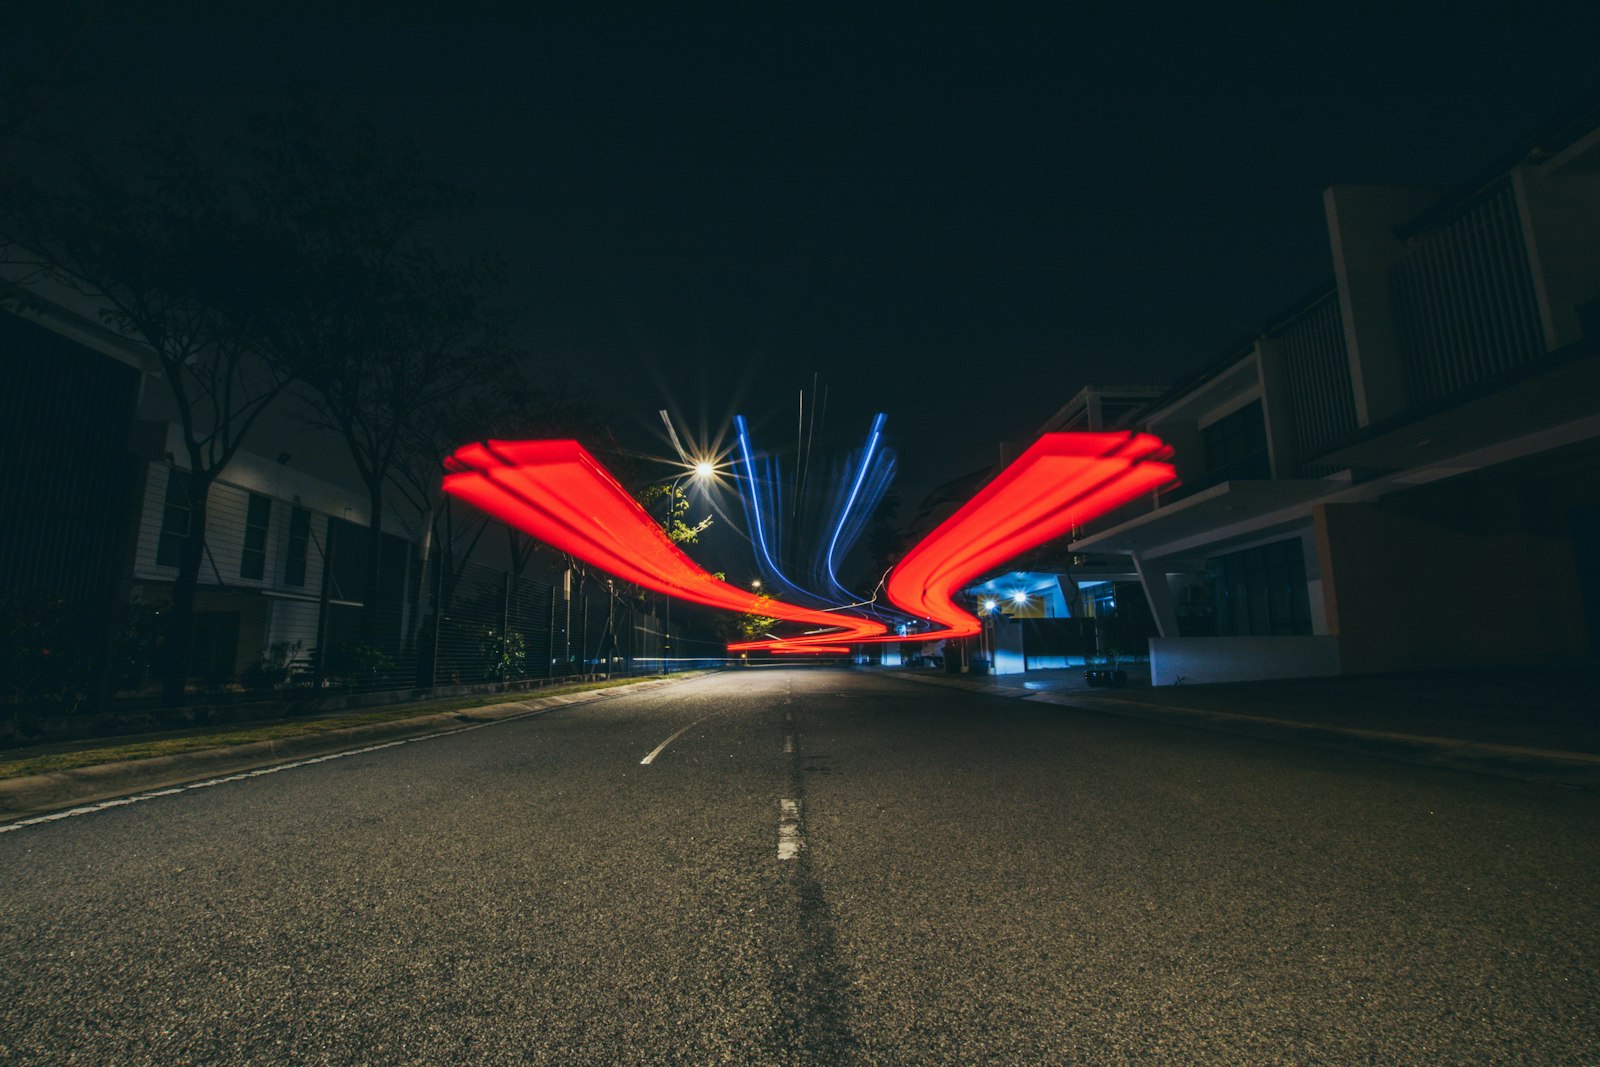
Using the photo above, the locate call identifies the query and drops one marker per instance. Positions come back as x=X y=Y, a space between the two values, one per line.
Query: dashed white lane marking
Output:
x=788 y=746
x=789 y=840
x=658 y=749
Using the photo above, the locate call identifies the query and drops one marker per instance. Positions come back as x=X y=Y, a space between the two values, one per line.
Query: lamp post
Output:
x=986 y=633
x=702 y=471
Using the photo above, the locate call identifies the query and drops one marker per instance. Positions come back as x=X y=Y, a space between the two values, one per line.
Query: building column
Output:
x=1158 y=594
x=1276 y=409
x=1559 y=209
x=1361 y=229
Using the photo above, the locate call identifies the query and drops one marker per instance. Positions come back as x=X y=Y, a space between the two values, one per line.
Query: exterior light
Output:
x=557 y=492
x=989 y=606
x=1064 y=480
x=1019 y=597
x=704 y=469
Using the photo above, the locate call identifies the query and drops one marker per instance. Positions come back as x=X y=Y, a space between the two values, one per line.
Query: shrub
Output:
x=272 y=669
x=355 y=663
x=505 y=654
x=47 y=653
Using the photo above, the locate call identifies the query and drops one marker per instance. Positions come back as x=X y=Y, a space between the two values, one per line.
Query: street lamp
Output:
x=703 y=471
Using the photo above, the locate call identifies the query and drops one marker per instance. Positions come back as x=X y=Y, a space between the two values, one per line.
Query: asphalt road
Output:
x=956 y=878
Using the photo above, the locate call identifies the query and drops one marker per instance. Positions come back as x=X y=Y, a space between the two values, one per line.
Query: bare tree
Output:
x=512 y=403
x=384 y=333
x=179 y=271
x=418 y=348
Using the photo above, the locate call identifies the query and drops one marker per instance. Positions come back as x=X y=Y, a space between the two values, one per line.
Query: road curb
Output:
x=1572 y=768
x=22 y=798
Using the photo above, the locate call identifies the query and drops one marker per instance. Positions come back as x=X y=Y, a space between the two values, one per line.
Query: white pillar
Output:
x=1158 y=594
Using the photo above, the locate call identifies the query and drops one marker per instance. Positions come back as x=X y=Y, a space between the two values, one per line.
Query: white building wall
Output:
x=227 y=511
x=1200 y=660
x=292 y=624
x=155 y=495
x=1005 y=644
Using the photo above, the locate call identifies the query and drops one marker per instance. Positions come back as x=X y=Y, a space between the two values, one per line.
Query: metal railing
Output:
x=1464 y=298
x=1317 y=365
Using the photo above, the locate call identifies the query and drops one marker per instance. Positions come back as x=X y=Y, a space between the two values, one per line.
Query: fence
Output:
x=494 y=626
x=472 y=624
x=428 y=627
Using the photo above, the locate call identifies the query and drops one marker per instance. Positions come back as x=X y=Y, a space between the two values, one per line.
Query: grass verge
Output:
x=245 y=735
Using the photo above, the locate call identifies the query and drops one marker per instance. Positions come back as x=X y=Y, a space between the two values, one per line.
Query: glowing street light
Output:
x=558 y=493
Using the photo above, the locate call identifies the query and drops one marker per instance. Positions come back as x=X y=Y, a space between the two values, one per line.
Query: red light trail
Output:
x=1064 y=480
x=557 y=492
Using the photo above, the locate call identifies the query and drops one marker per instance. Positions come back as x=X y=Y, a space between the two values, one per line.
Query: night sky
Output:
x=958 y=219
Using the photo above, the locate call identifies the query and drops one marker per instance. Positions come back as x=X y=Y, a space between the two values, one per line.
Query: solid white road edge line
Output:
x=117 y=802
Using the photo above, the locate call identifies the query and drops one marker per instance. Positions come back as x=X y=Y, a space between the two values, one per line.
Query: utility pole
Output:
x=323 y=607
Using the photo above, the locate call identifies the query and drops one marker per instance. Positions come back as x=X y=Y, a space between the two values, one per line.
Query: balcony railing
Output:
x=1322 y=402
x=1464 y=298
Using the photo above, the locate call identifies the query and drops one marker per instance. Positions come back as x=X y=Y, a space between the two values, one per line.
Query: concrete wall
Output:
x=227 y=507
x=1361 y=224
x=1414 y=591
x=1561 y=220
x=1197 y=660
x=1005 y=640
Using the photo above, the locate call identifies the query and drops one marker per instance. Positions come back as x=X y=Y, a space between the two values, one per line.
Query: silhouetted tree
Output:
x=384 y=332
x=177 y=268
x=513 y=403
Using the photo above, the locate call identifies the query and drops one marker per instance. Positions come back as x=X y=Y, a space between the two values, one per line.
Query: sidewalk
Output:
x=26 y=799
x=1539 y=723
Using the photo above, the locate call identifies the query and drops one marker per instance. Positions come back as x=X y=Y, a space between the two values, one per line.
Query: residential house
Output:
x=1403 y=470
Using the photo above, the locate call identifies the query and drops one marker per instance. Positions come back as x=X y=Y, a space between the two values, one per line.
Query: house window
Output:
x=1236 y=446
x=1261 y=591
x=253 y=563
x=176 y=515
x=294 y=567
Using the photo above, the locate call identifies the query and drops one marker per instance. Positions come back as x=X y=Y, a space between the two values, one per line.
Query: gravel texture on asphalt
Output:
x=981 y=880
